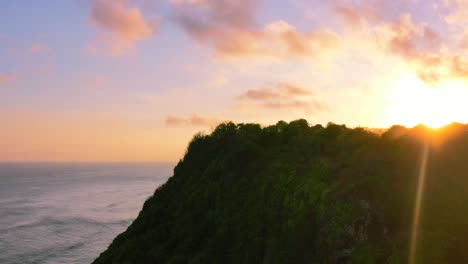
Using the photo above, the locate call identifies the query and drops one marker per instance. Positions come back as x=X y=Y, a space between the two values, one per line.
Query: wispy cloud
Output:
x=283 y=96
x=195 y=120
x=230 y=27
x=38 y=49
x=432 y=57
x=432 y=45
x=6 y=78
x=277 y=91
x=123 y=25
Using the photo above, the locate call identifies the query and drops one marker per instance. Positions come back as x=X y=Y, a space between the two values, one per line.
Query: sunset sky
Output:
x=133 y=80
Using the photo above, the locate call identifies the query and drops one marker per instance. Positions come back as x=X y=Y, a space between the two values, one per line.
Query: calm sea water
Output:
x=69 y=213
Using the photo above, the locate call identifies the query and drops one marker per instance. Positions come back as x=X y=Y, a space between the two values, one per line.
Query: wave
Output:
x=47 y=254
x=75 y=221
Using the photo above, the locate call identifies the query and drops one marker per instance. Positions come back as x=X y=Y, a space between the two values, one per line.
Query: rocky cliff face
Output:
x=292 y=193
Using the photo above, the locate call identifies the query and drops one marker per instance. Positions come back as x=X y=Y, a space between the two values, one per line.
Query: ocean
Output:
x=70 y=213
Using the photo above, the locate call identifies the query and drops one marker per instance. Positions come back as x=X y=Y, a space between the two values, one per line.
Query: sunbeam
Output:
x=417 y=207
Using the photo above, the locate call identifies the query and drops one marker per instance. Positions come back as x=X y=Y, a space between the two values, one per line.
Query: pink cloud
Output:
x=261 y=94
x=293 y=90
x=124 y=25
x=37 y=49
x=199 y=16
x=409 y=39
x=277 y=91
x=195 y=120
x=8 y=77
x=349 y=15
x=283 y=95
x=432 y=49
x=426 y=51
x=231 y=29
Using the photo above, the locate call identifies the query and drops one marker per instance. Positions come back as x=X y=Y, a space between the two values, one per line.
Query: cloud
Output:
x=282 y=96
x=278 y=91
x=6 y=78
x=122 y=24
x=231 y=29
x=203 y=16
x=409 y=39
x=195 y=120
x=260 y=94
x=38 y=49
x=293 y=90
x=354 y=16
x=306 y=105
x=431 y=43
x=432 y=57
x=349 y=15
x=459 y=9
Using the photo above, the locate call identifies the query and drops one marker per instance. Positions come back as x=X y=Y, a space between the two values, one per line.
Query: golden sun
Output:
x=412 y=102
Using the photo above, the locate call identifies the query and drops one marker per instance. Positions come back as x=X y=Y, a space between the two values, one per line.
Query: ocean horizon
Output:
x=70 y=212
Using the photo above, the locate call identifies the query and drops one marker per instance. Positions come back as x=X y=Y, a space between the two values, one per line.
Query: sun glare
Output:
x=412 y=102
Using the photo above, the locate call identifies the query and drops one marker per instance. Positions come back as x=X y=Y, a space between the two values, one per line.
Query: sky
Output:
x=134 y=80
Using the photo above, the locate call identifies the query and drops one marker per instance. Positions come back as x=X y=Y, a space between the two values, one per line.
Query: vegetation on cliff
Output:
x=294 y=193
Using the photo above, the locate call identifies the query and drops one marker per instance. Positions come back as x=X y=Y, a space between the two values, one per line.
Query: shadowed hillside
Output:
x=294 y=193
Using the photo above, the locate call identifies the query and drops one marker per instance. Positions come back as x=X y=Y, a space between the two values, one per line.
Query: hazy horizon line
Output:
x=83 y=162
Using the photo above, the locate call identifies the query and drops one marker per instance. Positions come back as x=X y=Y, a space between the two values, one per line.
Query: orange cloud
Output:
x=261 y=94
x=293 y=90
x=309 y=105
x=425 y=51
x=278 y=91
x=409 y=39
x=8 y=77
x=432 y=52
x=230 y=28
x=126 y=25
x=193 y=120
x=355 y=16
x=349 y=15
x=283 y=95
x=432 y=49
x=354 y=13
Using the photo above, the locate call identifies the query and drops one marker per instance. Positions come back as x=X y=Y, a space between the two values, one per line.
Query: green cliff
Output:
x=294 y=193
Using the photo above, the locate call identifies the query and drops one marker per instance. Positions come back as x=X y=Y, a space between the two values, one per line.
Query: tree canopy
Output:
x=295 y=193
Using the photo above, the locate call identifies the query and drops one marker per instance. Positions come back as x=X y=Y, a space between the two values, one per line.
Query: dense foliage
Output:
x=294 y=193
